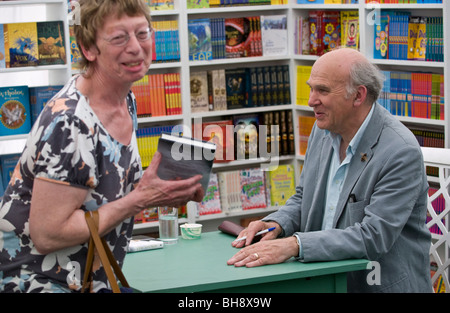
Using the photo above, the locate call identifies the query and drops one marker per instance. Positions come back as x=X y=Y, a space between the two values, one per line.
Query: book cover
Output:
x=221 y=133
x=274 y=34
x=199 y=32
x=75 y=54
x=199 y=91
x=281 y=180
x=350 y=29
x=230 y=191
x=236 y=88
x=184 y=157
x=237 y=37
x=158 y=5
x=218 y=87
x=211 y=201
x=253 y=191
x=8 y=164
x=303 y=73
x=197 y=4
x=305 y=125
x=23 y=44
x=15 y=117
x=246 y=142
x=316 y=32
x=2 y=48
x=51 y=43
x=331 y=30
x=39 y=96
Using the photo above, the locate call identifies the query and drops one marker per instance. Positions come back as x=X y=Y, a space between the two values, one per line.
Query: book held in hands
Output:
x=184 y=157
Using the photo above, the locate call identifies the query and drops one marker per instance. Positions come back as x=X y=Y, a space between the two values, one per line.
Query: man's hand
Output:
x=255 y=227
x=266 y=252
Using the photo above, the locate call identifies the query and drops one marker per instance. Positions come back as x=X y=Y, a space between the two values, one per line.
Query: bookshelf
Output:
x=32 y=76
x=15 y=11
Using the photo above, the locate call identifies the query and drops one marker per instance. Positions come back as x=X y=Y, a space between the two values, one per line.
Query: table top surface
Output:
x=200 y=265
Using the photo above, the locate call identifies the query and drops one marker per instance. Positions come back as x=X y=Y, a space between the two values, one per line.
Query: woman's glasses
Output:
x=122 y=39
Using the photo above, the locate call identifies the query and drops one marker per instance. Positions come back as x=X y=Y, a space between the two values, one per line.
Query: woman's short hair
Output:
x=93 y=14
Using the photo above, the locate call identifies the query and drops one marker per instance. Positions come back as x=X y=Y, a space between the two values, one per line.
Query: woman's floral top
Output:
x=67 y=145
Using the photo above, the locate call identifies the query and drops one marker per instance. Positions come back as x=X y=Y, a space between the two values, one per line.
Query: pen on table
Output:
x=257 y=234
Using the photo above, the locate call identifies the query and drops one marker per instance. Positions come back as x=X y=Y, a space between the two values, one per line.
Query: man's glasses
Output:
x=122 y=40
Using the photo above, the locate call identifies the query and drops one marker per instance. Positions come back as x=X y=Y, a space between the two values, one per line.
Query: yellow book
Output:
x=421 y=43
x=305 y=124
x=303 y=73
x=281 y=183
x=23 y=44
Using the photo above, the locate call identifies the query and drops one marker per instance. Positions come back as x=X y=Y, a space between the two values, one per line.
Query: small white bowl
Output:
x=191 y=231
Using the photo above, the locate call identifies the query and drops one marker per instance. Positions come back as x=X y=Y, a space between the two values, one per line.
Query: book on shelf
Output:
x=404 y=1
x=51 y=43
x=236 y=87
x=237 y=34
x=246 y=130
x=221 y=133
x=218 y=37
x=199 y=37
x=159 y=5
x=184 y=157
x=15 y=116
x=210 y=203
x=197 y=4
x=350 y=29
x=21 y=44
x=301 y=35
x=158 y=94
x=280 y=184
x=147 y=140
x=253 y=190
x=230 y=191
x=39 y=96
x=166 y=41
x=414 y=94
x=2 y=48
x=274 y=35
x=75 y=54
x=400 y=36
x=8 y=164
x=303 y=73
x=198 y=86
x=305 y=125
x=219 y=90
x=325 y=31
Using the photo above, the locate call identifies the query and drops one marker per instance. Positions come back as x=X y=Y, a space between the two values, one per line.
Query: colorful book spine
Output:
x=414 y=94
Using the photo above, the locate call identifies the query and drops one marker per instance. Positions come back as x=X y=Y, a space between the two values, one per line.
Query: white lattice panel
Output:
x=438 y=210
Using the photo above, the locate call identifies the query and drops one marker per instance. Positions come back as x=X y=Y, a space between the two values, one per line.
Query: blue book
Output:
x=15 y=116
x=39 y=96
x=199 y=32
x=8 y=163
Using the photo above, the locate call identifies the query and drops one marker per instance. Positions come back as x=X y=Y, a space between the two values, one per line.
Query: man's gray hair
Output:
x=368 y=75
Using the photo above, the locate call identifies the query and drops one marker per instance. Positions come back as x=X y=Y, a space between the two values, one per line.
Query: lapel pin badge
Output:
x=363 y=157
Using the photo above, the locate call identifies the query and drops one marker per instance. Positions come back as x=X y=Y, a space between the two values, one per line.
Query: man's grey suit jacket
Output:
x=386 y=223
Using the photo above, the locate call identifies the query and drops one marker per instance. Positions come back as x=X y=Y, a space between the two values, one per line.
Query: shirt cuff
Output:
x=300 y=250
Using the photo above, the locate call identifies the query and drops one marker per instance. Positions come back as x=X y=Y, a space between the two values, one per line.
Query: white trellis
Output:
x=439 y=219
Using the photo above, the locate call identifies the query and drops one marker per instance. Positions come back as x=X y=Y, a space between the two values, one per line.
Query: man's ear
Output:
x=360 y=96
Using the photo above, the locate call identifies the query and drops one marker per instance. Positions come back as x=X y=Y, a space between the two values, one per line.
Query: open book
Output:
x=184 y=157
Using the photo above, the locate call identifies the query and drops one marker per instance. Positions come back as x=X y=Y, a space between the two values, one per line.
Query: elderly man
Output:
x=362 y=191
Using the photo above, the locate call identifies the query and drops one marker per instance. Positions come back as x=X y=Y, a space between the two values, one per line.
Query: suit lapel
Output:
x=315 y=214
x=360 y=160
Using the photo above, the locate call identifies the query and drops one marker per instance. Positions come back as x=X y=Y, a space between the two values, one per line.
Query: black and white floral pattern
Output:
x=68 y=145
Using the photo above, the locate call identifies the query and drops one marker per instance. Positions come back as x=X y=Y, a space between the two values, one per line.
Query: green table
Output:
x=200 y=266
